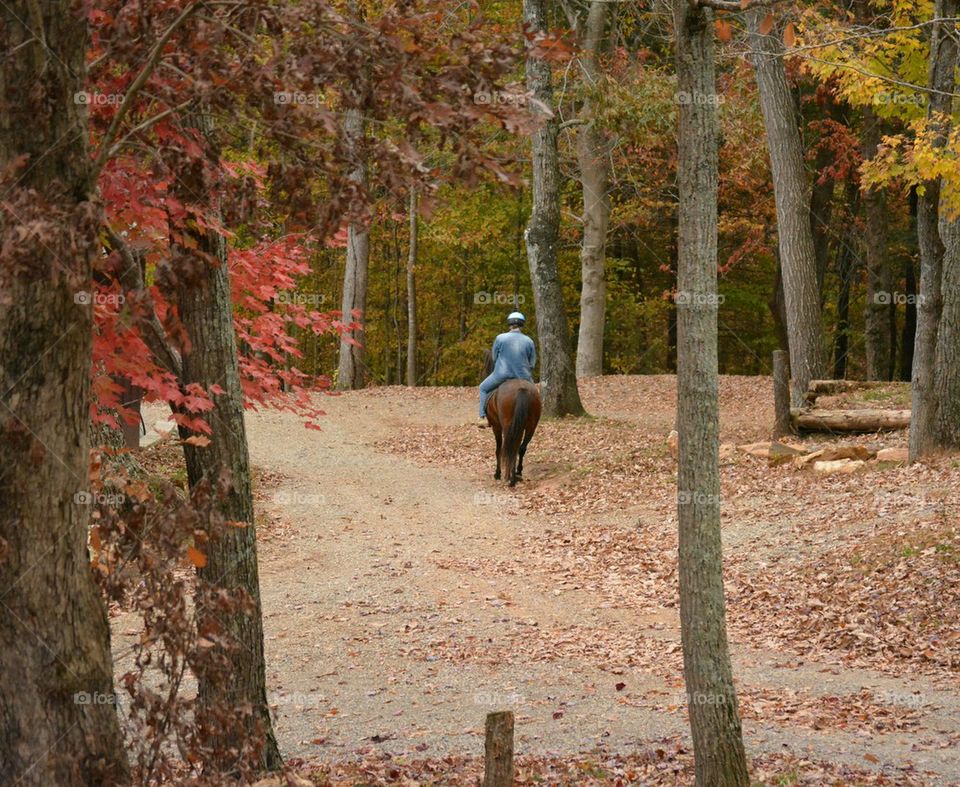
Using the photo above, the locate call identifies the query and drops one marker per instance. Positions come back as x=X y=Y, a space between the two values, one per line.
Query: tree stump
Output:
x=498 y=750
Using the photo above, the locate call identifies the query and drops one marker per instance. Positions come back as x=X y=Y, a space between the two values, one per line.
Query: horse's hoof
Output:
x=513 y=482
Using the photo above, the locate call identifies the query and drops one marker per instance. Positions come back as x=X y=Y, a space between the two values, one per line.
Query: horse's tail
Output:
x=511 y=443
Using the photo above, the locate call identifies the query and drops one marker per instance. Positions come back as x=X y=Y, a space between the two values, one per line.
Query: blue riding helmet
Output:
x=516 y=318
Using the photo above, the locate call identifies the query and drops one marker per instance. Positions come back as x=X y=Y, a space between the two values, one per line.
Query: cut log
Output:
x=893 y=455
x=838 y=466
x=867 y=420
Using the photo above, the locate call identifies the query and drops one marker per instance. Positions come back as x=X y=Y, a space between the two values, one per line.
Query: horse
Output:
x=513 y=412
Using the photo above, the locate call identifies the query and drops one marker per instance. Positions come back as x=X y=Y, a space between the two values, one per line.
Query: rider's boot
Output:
x=482 y=422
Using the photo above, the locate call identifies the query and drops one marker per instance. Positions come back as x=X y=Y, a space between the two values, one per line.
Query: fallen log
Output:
x=867 y=420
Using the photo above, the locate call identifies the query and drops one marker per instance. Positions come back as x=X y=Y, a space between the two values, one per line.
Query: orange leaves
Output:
x=196 y=557
x=766 y=25
x=723 y=30
x=790 y=36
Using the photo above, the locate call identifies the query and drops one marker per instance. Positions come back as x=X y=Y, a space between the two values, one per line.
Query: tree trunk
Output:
x=412 y=294
x=558 y=380
x=880 y=310
x=58 y=715
x=909 y=333
x=207 y=314
x=792 y=197
x=593 y=154
x=841 y=344
x=943 y=62
x=711 y=699
x=948 y=341
x=352 y=369
x=778 y=309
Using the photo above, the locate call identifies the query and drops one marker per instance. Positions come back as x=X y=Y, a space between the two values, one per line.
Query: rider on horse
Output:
x=514 y=356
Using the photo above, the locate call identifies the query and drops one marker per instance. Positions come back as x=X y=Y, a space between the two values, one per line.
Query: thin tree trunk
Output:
x=792 y=197
x=711 y=699
x=231 y=553
x=558 y=380
x=909 y=320
x=778 y=309
x=821 y=209
x=58 y=714
x=412 y=294
x=943 y=62
x=352 y=369
x=593 y=154
x=880 y=308
x=842 y=341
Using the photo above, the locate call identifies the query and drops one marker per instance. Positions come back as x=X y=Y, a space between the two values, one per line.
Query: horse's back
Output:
x=512 y=389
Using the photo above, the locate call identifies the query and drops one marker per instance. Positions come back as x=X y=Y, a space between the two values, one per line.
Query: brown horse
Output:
x=513 y=411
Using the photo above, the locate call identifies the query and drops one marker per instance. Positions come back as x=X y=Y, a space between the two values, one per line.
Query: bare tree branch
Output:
x=151 y=331
x=106 y=146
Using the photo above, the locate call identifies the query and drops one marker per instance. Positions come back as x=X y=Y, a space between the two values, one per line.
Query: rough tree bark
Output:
x=943 y=62
x=352 y=368
x=947 y=363
x=412 y=294
x=558 y=380
x=593 y=153
x=58 y=717
x=792 y=197
x=711 y=699
x=207 y=314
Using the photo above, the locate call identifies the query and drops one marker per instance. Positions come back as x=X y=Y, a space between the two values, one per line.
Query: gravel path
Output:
x=380 y=636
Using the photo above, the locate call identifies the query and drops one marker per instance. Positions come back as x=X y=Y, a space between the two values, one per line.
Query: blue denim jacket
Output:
x=514 y=356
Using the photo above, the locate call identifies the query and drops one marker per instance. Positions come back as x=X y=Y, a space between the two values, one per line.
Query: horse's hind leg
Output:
x=521 y=452
x=499 y=435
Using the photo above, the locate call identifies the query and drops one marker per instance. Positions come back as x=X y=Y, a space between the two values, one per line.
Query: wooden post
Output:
x=498 y=750
x=782 y=425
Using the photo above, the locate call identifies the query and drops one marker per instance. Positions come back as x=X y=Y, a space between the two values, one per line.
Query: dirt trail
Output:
x=369 y=592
